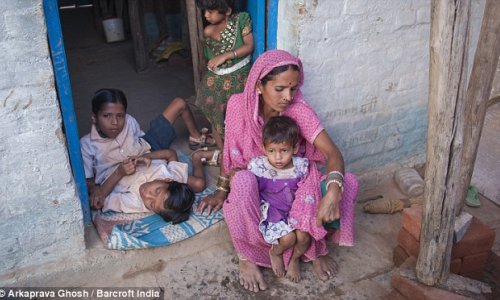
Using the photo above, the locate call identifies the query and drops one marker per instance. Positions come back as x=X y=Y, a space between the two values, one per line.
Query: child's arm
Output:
x=166 y=154
x=244 y=50
x=95 y=195
x=125 y=168
x=197 y=180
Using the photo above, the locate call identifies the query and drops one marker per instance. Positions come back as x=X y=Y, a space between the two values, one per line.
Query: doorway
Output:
x=94 y=63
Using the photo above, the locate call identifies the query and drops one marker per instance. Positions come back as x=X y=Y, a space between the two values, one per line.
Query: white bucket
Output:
x=113 y=29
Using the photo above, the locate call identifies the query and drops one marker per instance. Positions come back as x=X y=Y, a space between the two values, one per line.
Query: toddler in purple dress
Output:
x=278 y=174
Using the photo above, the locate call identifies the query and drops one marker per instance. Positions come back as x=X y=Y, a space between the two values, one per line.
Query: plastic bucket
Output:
x=113 y=30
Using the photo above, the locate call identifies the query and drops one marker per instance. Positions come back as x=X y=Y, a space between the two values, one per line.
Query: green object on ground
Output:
x=335 y=224
x=472 y=198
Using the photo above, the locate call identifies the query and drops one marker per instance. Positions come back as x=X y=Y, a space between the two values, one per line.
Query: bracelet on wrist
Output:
x=336 y=173
x=235 y=54
x=337 y=182
x=221 y=188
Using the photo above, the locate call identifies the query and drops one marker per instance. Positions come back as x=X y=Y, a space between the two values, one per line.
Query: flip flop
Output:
x=201 y=142
x=472 y=198
x=214 y=161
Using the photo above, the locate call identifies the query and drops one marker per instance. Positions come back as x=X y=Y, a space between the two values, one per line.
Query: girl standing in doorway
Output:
x=228 y=44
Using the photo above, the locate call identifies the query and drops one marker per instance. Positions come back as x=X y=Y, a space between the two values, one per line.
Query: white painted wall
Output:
x=366 y=73
x=40 y=213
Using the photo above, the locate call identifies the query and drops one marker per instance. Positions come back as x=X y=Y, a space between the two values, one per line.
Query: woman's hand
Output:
x=212 y=203
x=329 y=207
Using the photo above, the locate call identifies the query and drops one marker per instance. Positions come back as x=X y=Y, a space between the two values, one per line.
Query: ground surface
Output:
x=204 y=266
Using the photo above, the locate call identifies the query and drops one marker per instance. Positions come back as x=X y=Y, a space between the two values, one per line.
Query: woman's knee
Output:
x=244 y=179
x=244 y=189
x=351 y=184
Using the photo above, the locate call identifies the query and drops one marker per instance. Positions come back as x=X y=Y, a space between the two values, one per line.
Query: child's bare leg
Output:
x=219 y=140
x=303 y=242
x=276 y=253
x=179 y=108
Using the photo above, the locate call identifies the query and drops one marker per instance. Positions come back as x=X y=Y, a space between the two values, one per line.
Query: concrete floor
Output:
x=204 y=266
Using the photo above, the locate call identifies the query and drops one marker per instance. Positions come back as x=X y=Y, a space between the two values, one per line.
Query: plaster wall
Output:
x=366 y=73
x=40 y=213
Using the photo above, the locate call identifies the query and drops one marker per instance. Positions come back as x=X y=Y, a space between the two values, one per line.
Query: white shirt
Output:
x=101 y=156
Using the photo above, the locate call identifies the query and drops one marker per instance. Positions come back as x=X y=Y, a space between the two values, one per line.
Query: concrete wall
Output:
x=40 y=213
x=366 y=69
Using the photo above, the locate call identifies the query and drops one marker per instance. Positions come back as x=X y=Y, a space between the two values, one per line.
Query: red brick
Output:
x=417 y=291
x=408 y=242
x=479 y=238
x=411 y=220
x=473 y=265
x=455 y=265
x=399 y=256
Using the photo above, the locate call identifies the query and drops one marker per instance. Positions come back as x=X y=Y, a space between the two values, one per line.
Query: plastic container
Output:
x=113 y=30
x=409 y=182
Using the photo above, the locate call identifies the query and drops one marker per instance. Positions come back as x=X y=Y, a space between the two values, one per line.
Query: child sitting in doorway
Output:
x=278 y=174
x=116 y=145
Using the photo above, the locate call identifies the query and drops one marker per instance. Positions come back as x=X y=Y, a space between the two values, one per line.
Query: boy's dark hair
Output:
x=278 y=70
x=177 y=206
x=280 y=129
x=222 y=6
x=104 y=96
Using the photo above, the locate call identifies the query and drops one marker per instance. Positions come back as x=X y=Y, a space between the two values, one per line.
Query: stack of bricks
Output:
x=468 y=257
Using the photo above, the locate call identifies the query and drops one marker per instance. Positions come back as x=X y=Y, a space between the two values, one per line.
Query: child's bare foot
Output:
x=324 y=267
x=251 y=277
x=293 y=272
x=277 y=263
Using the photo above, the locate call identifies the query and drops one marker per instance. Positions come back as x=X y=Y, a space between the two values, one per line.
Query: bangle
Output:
x=333 y=173
x=338 y=183
x=223 y=182
x=235 y=54
x=221 y=188
x=226 y=179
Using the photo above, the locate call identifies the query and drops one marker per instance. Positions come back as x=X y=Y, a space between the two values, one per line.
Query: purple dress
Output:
x=277 y=189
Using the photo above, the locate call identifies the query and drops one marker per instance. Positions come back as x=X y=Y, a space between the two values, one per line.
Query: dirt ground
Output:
x=204 y=266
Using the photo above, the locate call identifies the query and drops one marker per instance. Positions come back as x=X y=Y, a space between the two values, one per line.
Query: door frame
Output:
x=63 y=88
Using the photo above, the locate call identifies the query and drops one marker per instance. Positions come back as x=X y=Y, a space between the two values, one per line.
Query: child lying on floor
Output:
x=157 y=186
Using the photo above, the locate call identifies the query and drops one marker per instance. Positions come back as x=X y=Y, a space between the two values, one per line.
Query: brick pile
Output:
x=469 y=256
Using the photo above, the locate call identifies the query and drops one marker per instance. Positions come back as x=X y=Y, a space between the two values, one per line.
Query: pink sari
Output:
x=243 y=140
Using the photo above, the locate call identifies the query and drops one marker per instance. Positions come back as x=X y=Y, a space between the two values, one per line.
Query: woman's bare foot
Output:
x=293 y=272
x=324 y=267
x=277 y=263
x=251 y=277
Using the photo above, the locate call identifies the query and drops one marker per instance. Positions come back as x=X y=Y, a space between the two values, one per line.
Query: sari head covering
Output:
x=247 y=106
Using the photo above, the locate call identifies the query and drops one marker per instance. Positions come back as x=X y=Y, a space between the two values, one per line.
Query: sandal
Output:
x=214 y=161
x=201 y=142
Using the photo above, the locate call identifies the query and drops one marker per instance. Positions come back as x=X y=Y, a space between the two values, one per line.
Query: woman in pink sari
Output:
x=273 y=88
